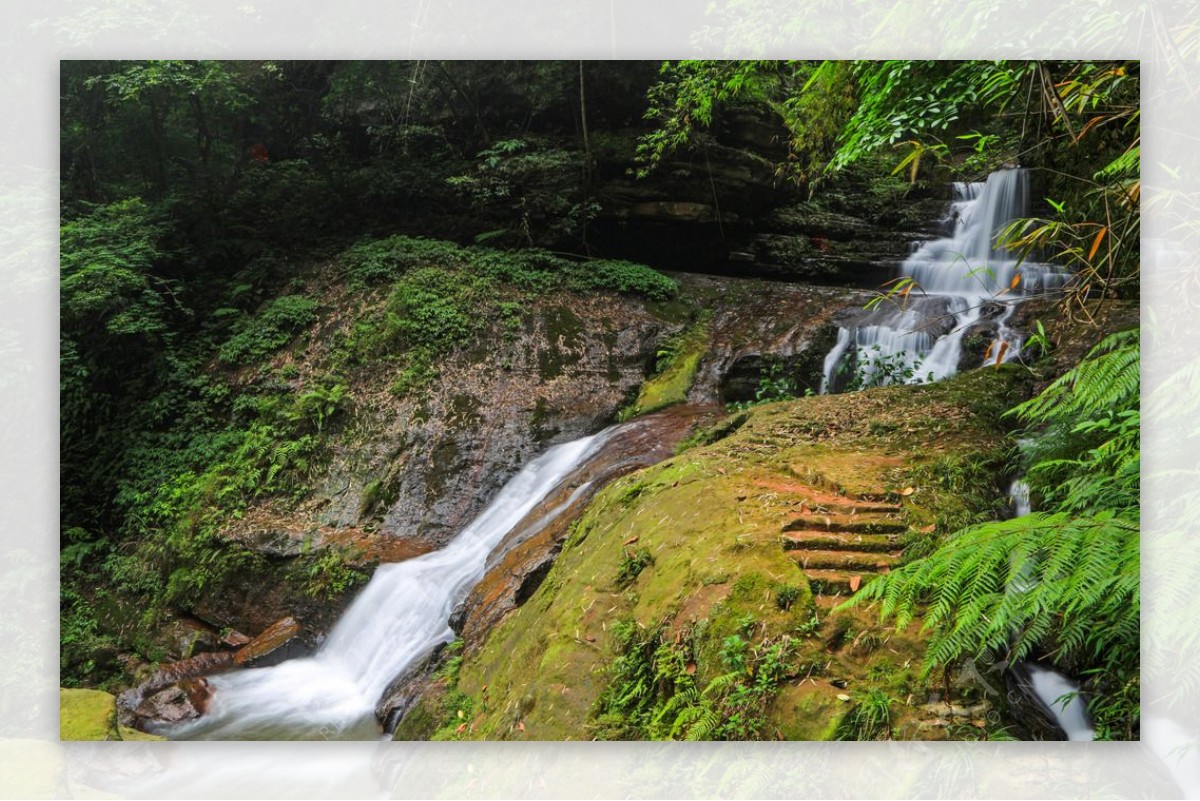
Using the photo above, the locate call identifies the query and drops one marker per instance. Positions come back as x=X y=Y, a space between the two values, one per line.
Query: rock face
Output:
x=723 y=206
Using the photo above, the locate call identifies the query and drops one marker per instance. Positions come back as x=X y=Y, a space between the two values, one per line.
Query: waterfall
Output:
x=399 y=618
x=962 y=282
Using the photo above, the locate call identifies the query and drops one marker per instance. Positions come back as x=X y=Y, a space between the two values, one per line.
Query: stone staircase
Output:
x=841 y=542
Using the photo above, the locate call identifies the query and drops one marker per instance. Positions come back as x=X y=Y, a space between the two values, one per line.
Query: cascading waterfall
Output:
x=399 y=617
x=961 y=280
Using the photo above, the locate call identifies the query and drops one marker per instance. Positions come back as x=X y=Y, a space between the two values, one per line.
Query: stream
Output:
x=404 y=612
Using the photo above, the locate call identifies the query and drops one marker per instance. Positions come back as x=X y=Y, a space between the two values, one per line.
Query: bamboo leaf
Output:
x=1096 y=242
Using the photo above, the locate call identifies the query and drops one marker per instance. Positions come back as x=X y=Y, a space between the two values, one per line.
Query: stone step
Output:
x=852 y=523
x=833 y=582
x=850 y=506
x=839 y=541
x=867 y=561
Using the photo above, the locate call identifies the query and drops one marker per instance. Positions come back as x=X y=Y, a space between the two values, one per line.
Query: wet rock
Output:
x=166 y=707
x=404 y=691
x=278 y=642
x=135 y=707
x=977 y=345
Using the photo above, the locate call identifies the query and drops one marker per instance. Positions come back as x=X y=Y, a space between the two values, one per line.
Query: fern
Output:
x=1078 y=598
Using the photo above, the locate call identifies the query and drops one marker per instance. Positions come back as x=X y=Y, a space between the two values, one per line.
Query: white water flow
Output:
x=399 y=617
x=960 y=280
x=1056 y=692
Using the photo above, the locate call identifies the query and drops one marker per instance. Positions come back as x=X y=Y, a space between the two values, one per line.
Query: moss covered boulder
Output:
x=92 y=715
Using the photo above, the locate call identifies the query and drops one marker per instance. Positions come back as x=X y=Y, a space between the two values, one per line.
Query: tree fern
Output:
x=1053 y=585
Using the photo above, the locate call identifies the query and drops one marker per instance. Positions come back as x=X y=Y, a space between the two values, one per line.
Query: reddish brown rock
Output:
x=277 y=642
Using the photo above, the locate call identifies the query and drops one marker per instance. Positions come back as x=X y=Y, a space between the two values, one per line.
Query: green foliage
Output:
x=329 y=575
x=869 y=719
x=687 y=97
x=632 y=563
x=872 y=367
x=653 y=693
x=109 y=259
x=1088 y=458
x=775 y=384
x=268 y=331
x=536 y=184
x=1044 y=583
x=919 y=101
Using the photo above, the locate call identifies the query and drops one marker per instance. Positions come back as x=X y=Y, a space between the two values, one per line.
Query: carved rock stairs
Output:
x=840 y=544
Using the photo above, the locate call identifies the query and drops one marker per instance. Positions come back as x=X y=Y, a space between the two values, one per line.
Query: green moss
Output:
x=128 y=733
x=678 y=361
x=87 y=715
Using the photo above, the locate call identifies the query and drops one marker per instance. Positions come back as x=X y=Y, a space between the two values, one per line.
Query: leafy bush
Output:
x=270 y=330
x=380 y=261
x=624 y=277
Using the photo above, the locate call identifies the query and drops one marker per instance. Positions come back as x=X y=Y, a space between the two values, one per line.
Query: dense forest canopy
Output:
x=196 y=195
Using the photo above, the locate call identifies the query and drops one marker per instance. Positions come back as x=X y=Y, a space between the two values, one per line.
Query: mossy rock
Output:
x=92 y=715
x=87 y=715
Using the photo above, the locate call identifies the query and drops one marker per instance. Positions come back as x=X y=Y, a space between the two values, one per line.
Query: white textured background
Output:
x=34 y=36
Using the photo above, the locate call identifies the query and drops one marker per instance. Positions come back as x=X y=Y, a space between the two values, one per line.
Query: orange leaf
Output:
x=1002 y=351
x=1096 y=242
x=461 y=728
x=521 y=725
x=691 y=668
x=855 y=583
x=907 y=491
x=631 y=540
x=1016 y=280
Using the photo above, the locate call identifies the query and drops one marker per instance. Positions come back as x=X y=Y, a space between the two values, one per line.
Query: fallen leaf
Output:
x=855 y=583
x=929 y=529
x=843 y=697
x=460 y=714
x=691 y=668
x=461 y=728
x=631 y=540
x=521 y=725
x=907 y=491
